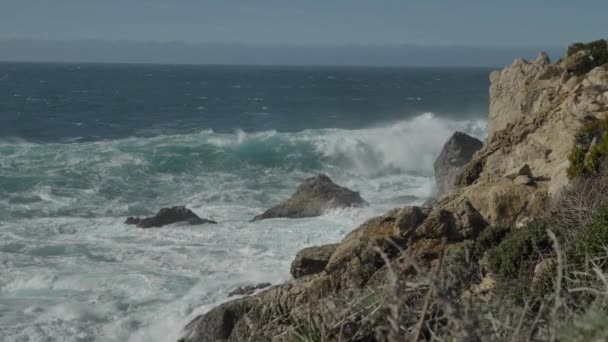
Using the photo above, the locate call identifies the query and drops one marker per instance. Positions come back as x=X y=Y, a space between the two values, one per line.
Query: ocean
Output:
x=83 y=146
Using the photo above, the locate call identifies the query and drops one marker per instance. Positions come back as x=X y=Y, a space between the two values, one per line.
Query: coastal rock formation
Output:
x=536 y=109
x=248 y=289
x=456 y=152
x=312 y=198
x=311 y=260
x=357 y=263
x=168 y=216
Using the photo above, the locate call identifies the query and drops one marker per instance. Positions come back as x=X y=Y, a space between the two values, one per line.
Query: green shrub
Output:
x=590 y=149
x=592 y=240
x=489 y=238
x=598 y=50
x=520 y=250
x=589 y=326
x=460 y=266
x=589 y=244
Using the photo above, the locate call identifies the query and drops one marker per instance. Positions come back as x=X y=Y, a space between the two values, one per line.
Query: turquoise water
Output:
x=74 y=164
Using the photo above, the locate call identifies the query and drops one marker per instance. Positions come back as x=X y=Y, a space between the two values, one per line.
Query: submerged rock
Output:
x=248 y=289
x=456 y=152
x=312 y=260
x=312 y=198
x=168 y=216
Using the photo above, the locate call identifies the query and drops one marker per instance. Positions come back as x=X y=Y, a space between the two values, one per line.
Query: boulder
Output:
x=360 y=254
x=312 y=260
x=248 y=289
x=312 y=198
x=456 y=152
x=264 y=315
x=168 y=216
x=409 y=218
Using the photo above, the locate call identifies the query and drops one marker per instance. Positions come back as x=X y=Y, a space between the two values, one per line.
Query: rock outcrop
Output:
x=312 y=198
x=536 y=109
x=456 y=153
x=248 y=289
x=312 y=260
x=168 y=216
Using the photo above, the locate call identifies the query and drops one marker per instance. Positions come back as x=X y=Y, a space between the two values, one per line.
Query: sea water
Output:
x=83 y=146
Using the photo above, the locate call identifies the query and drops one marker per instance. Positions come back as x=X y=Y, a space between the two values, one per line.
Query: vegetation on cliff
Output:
x=590 y=150
x=598 y=49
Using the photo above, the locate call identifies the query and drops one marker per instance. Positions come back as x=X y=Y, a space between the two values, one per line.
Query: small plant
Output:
x=490 y=237
x=460 y=266
x=520 y=250
x=598 y=50
x=589 y=326
x=307 y=331
x=590 y=149
x=592 y=241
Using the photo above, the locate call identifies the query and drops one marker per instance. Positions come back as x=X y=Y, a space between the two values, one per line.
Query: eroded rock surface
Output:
x=312 y=260
x=312 y=198
x=536 y=109
x=456 y=152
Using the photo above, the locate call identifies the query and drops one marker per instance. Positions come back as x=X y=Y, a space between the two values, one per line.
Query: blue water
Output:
x=84 y=146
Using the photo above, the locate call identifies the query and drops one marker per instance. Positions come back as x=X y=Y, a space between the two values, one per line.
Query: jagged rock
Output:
x=456 y=152
x=312 y=198
x=312 y=260
x=409 y=218
x=358 y=255
x=504 y=202
x=168 y=216
x=469 y=221
x=267 y=312
x=533 y=119
x=248 y=289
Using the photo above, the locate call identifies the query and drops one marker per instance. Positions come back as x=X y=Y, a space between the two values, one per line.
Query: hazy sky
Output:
x=429 y=22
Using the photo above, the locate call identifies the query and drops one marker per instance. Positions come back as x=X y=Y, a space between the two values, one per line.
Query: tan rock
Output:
x=533 y=120
x=358 y=256
x=523 y=180
x=409 y=218
x=312 y=260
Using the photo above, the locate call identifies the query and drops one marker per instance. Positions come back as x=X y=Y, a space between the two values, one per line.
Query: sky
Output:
x=480 y=23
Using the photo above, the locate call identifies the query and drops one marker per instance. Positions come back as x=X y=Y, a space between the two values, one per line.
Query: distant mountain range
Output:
x=98 y=51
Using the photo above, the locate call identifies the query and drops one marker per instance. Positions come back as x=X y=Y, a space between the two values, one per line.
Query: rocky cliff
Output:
x=536 y=109
x=455 y=154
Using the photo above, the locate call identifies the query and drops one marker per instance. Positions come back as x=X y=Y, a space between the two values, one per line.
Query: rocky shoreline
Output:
x=536 y=112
